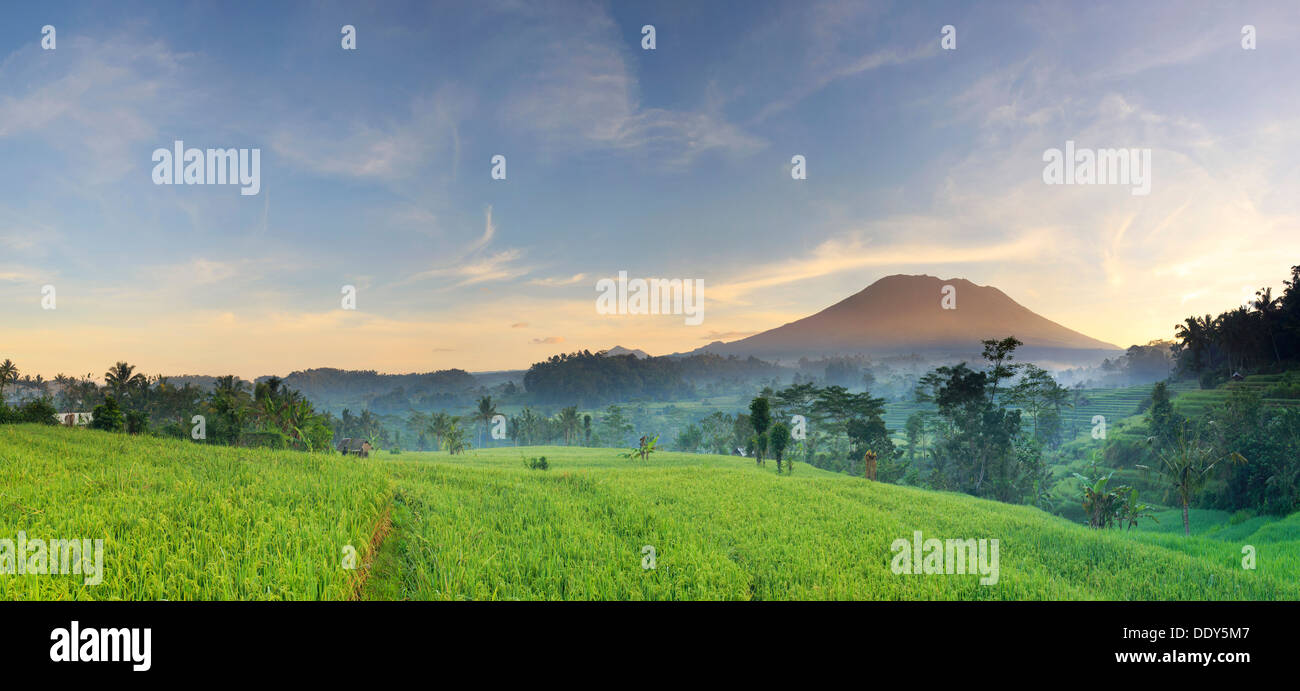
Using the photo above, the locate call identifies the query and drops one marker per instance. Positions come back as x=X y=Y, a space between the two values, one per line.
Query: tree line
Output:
x=1263 y=334
x=233 y=412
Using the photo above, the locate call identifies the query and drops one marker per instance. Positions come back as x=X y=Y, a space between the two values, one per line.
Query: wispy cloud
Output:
x=475 y=265
x=557 y=282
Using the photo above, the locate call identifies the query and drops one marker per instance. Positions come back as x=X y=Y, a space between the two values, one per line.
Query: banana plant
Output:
x=1102 y=504
x=644 y=449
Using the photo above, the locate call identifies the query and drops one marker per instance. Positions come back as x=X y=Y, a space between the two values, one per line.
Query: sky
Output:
x=376 y=172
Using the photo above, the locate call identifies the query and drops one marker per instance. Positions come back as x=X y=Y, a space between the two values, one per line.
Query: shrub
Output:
x=267 y=439
x=537 y=463
x=137 y=422
x=107 y=416
x=39 y=411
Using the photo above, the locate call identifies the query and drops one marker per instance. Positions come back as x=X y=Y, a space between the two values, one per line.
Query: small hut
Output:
x=355 y=446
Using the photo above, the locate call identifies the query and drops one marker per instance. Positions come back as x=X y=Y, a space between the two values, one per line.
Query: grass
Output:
x=184 y=521
x=194 y=522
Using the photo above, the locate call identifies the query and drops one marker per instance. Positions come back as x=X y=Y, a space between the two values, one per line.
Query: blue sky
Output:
x=666 y=163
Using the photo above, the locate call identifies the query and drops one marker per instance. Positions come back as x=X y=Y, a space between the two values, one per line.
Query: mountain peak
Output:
x=620 y=350
x=903 y=313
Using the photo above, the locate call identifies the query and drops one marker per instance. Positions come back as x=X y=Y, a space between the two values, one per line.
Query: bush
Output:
x=537 y=463
x=268 y=439
x=39 y=411
x=107 y=416
x=137 y=422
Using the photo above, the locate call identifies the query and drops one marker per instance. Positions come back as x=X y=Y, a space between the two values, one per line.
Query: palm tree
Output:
x=438 y=425
x=8 y=373
x=486 y=411
x=1193 y=338
x=454 y=439
x=569 y=422
x=1270 y=308
x=120 y=379
x=64 y=384
x=1186 y=466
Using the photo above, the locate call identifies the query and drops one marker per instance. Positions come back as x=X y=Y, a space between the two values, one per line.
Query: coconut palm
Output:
x=1194 y=339
x=454 y=439
x=1185 y=467
x=1270 y=309
x=121 y=380
x=486 y=411
x=8 y=373
x=569 y=422
x=438 y=425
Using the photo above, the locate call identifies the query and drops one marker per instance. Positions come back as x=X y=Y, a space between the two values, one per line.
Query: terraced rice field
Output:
x=182 y=520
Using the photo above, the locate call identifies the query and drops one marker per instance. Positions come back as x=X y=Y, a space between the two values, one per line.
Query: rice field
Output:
x=1196 y=402
x=184 y=521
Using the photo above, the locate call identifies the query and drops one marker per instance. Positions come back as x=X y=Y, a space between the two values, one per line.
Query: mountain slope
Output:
x=901 y=313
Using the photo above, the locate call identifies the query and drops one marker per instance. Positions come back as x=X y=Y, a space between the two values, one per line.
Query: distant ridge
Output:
x=620 y=350
x=903 y=313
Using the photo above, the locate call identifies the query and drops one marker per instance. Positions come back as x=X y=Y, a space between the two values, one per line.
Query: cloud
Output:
x=846 y=67
x=549 y=340
x=382 y=148
x=854 y=252
x=726 y=335
x=473 y=265
x=582 y=95
x=556 y=282
x=100 y=100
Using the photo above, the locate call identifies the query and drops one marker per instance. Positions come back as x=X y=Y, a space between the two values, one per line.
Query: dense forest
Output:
x=1259 y=336
x=590 y=379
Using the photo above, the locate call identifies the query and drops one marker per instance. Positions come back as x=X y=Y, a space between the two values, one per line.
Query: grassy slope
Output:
x=483 y=526
x=186 y=521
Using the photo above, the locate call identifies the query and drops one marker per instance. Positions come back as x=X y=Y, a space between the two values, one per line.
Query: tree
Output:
x=8 y=374
x=569 y=422
x=999 y=355
x=107 y=416
x=777 y=441
x=689 y=439
x=486 y=411
x=1185 y=465
x=1038 y=394
x=120 y=379
x=453 y=439
x=1195 y=340
x=1161 y=418
x=1270 y=310
x=614 y=427
x=439 y=423
x=760 y=418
